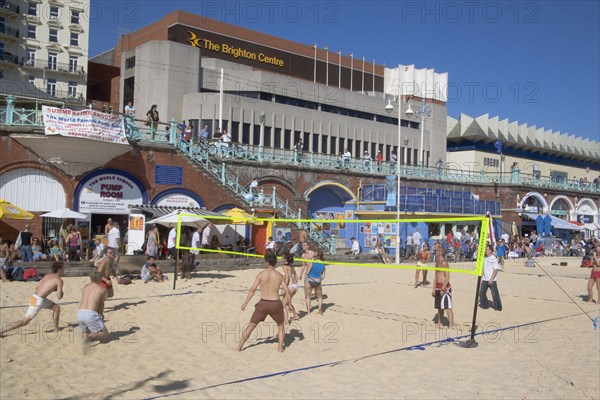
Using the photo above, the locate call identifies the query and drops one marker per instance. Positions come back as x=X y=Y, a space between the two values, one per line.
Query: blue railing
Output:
x=203 y=155
x=216 y=152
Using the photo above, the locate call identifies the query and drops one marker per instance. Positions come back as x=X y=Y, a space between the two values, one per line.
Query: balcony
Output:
x=9 y=9
x=8 y=58
x=10 y=33
x=55 y=66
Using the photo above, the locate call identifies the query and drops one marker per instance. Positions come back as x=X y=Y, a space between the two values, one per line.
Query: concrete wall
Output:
x=473 y=160
x=164 y=72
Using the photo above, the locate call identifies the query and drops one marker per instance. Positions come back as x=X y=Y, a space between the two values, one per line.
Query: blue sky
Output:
x=535 y=62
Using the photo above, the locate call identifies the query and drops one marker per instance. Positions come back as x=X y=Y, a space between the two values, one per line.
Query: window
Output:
x=30 y=58
x=73 y=89
x=73 y=63
x=53 y=35
x=130 y=62
x=31 y=31
x=128 y=89
x=491 y=162
x=52 y=61
x=332 y=145
x=31 y=79
x=32 y=9
x=51 y=87
x=277 y=144
x=74 y=39
x=559 y=176
x=53 y=12
x=75 y=17
x=2 y=25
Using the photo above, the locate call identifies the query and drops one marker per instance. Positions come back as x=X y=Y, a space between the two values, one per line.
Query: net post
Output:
x=471 y=342
x=176 y=268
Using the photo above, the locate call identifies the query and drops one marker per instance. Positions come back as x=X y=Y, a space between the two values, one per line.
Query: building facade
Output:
x=276 y=92
x=44 y=49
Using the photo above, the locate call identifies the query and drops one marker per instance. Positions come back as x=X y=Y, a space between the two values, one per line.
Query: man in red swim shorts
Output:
x=270 y=303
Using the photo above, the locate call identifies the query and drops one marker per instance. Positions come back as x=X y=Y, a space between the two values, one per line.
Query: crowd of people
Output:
x=278 y=288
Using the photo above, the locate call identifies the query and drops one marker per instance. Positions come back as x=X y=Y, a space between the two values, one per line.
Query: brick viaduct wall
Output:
x=291 y=182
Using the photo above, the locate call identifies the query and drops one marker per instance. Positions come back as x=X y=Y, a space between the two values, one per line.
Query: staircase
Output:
x=199 y=154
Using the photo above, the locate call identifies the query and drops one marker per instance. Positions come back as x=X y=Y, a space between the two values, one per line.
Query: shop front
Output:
x=107 y=194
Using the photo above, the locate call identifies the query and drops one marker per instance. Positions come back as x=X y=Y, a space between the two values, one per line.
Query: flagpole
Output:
x=340 y=70
x=315 y=64
x=326 y=66
x=351 y=69
x=362 y=89
x=373 y=77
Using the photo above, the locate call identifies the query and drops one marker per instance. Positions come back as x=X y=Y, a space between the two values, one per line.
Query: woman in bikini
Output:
x=316 y=274
x=291 y=280
x=595 y=276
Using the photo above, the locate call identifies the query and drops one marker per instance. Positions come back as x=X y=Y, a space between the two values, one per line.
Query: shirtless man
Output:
x=442 y=291
x=106 y=268
x=91 y=308
x=595 y=275
x=270 y=304
x=302 y=238
x=423 y=258
x=49 y=283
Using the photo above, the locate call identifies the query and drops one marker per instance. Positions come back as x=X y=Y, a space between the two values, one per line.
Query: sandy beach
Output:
x=374 y=340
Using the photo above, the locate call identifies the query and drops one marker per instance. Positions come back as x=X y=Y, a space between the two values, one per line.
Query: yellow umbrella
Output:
x=238 y=216
x=9 y=211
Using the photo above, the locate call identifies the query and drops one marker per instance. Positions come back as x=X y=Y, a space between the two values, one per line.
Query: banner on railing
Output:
x=85 y=124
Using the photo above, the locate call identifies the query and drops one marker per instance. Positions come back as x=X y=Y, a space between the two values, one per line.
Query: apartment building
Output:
x=44 y=49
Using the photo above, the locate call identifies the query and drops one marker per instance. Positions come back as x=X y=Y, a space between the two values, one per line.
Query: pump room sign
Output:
x=108 y=194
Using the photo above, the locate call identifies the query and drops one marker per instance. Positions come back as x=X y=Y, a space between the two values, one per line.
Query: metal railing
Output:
x=200 y=153
x=10 y=31
x=216 y=152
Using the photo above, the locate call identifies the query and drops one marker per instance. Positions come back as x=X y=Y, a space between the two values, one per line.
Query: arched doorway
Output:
x=561 y=207
x=331 y=201
x=534 y=203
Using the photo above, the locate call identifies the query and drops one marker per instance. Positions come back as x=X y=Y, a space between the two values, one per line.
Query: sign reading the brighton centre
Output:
x=233 y=51
x=109 y=193
x=86 y=124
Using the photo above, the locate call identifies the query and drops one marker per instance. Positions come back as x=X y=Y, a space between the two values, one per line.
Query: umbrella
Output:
x=65 y=213
x=9 y=211
x=170 y=220
x=238 y=216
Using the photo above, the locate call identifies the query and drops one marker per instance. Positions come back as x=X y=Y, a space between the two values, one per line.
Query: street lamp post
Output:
x=422 y=112
x=261 y=118
x=389 y=108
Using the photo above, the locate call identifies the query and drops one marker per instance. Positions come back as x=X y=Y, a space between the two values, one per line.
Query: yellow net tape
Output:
x=469 y=267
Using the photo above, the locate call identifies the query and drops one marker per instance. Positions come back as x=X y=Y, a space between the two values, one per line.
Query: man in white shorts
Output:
x=38 y=300
x=90 y=315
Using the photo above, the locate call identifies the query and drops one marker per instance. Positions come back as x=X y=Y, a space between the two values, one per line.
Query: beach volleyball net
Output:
x=464 y=252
